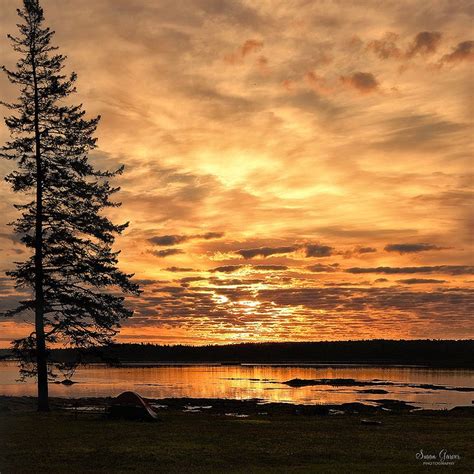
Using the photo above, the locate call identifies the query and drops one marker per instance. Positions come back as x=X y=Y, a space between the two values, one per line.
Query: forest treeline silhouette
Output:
x=433 y=353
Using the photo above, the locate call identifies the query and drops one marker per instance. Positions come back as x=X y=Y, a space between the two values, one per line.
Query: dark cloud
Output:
x=265 y=251
x=317 y=250
x=270 y=267
x=170 y=289
x=191 y=279
x=147 y=281
x=366 y=250
x=179 y=269
x=169 y=240
x=345 y=283
x=357 y=251
x=231 y=11
x=234 y=268
x=411 y=248
x=364 y=82
x=209 y=235
x=441 y=269
x=166 y=240
x=464 y=51
x=386 y=47
x=165 y=253
x=420 y=281
x=425 y=42
x=321 y=268
x=227 y=268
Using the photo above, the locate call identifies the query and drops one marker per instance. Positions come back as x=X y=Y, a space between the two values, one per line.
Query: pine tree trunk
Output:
x=41 y=356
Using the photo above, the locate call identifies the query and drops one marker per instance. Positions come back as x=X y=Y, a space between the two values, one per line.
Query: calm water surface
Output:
x=254 y=381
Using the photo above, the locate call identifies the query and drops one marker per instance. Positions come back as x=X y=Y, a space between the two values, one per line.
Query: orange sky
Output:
x=294 y=169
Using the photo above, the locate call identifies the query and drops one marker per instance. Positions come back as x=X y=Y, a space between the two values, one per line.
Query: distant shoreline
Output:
x=448 y=354
x=328 y=364
x=302 y=364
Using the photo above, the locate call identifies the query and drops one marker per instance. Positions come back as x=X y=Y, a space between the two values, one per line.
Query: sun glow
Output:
x=249 y=304
x=220 y=299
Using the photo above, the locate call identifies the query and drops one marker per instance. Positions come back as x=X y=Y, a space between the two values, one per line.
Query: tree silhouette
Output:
x=76 y=286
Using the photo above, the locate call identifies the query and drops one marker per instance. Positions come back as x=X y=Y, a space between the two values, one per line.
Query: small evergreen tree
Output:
x=76 y=286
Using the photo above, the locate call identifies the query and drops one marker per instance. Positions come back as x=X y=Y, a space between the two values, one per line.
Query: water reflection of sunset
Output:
x=254 y=381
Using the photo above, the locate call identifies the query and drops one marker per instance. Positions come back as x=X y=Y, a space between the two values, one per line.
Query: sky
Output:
x=294 y=170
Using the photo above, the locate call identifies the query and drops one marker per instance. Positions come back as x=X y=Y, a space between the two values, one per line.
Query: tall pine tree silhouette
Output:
x=77 y=290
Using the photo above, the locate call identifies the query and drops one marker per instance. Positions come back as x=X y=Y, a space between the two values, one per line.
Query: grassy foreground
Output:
x=198 y=442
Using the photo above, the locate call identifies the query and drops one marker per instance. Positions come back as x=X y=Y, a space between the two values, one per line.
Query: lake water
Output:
x=257 y=381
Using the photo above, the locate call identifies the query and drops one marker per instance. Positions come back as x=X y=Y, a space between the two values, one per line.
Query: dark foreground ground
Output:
x=277 y=439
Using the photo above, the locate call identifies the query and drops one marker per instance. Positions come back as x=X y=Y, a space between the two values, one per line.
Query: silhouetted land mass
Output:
x=435 y=353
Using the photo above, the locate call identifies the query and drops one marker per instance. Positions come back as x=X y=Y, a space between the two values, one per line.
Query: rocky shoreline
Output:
x=230 y=407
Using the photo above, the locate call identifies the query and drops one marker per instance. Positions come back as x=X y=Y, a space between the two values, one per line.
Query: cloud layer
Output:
x=293 y=170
